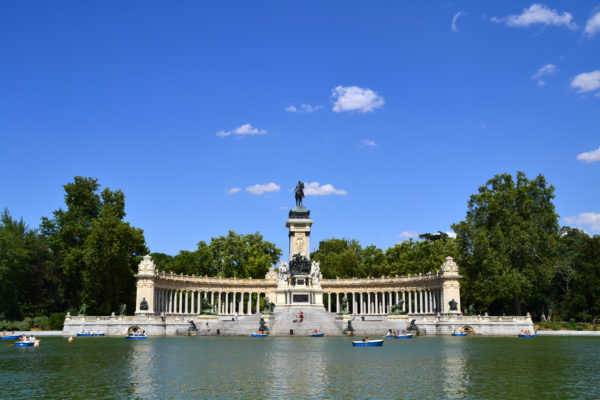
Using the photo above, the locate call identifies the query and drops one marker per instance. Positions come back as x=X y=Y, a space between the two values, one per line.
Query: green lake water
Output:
x=302 y=368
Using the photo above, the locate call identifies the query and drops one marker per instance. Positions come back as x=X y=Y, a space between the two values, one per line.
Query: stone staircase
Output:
x=286 y=319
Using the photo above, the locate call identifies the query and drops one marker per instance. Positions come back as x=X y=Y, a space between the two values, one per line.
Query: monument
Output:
x=299 y=282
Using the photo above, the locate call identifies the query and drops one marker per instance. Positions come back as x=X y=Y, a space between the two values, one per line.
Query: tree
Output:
x=341 y=258
x=507 y=243
x=27 y=279
x=577 y=275
x=95 y=251
x=243 y=256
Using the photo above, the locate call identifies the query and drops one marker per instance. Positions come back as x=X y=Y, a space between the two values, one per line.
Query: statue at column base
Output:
x=207 y=308
x=397 y=308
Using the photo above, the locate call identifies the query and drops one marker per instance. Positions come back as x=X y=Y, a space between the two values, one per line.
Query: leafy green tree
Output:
x=576 y=280
x=27 y=280
x=243 y=256
x=507 y=243
x=341 y=258
x=95 y=251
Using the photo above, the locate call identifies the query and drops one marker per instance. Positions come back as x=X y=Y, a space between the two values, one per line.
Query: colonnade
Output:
x=181 y=301
x=421 y=301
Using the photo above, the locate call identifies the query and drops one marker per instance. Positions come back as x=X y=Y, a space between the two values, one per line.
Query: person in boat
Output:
x=454 y=332
x=3 y=333
x=315 y=332
x=390 y=332
x=143 y=332
x=365 y=339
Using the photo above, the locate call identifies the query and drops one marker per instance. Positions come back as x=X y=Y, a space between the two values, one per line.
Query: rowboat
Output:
x=459 y=334
x=524 y=335
x=389 y=335
x=316 y=335
x=139 y=337
x=368 y=343
x=24 y=344
x=407 y=336
x=98 y=334
x=259 y=334
x=10 y=337
x=85 y=334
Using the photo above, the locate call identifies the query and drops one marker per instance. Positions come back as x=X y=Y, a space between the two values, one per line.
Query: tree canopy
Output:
x=507 y=243
x=95 y=251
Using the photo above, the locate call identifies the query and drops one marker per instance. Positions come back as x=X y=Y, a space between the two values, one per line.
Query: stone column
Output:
x=383 y=303
x=185 y=304
x=241 y=304
x=337 y=303
x=329 y=302
x=258 y=302
x=354 y=303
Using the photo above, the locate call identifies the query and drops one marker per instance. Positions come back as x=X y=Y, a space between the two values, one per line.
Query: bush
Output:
x=56 y=321
x=41 y=323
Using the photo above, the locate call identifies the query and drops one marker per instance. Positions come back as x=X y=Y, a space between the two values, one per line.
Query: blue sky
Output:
x=207 y=114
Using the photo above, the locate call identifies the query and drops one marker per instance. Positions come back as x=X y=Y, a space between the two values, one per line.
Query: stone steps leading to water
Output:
x=286 y=320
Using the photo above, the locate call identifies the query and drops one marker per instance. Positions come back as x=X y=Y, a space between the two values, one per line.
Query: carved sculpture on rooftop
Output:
x=449 y=266
x=147 y=265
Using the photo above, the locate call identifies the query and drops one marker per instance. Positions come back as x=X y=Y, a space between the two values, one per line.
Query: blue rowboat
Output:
x=368 y=343
x=317 y=335
x=138 y=337
x=390 y=336
x=459 y=334
x=98 y=334
x=10 y=337
x=259 y=334
x=523 y=335
x=24 y=344
x=407 y=336
x=85 y=334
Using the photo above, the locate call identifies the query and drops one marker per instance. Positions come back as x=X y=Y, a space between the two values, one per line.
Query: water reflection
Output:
x=453 y=353
x=297 y=366
x=141 y=367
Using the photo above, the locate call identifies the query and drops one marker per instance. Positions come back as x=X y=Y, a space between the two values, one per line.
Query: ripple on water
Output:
x=293 y=367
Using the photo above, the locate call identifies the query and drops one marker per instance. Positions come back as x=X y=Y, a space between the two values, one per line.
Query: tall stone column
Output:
x=450 y=286
x=403 y=301
x=145 y=284
x=186 y=301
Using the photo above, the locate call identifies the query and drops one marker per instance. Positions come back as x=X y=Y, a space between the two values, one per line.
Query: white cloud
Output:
x=407 y=234
x=590 y=156
x=456 y=16
x=593 y=24
x=451 y=234
x=304 y=108
x=366 y=143
x=547 y=69
x=233 y=190
x=314 y=189
x=245 y=129
x=586 y=218
x=354 y=98
x=264 y=188
x=587 y=81
x=538 y=14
